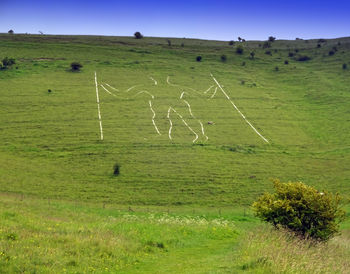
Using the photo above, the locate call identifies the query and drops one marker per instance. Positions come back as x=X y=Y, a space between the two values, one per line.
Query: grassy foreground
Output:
x=41 y=236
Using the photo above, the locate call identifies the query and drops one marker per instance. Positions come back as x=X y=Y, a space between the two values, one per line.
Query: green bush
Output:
x=301 y=209
x=239 y=50
x=7 y=62
x=223 y=58
x=138 y=35
x=76 y=66
x=116 y=169
x=272 y=39
x=303 y=58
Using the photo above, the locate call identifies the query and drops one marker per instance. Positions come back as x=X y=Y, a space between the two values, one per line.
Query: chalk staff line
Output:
x=245 y=119
x=98 y=108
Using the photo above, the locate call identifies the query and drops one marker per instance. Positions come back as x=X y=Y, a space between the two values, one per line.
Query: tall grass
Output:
x=267 y=250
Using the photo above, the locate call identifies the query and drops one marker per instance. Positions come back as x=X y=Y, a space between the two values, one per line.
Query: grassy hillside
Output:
x=212 y=160
x=50 y=143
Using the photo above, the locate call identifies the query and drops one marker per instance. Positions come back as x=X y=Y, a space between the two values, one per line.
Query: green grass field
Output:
x=54 y=166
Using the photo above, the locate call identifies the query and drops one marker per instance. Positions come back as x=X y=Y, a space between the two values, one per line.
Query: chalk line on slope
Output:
x=245 y=119
x=155 y=82
x=112 y=87
x=144 y=91
x=154 y=115
x=175 y=85
x=108 y=91
x=132 y=88
x=98 y=108
x=200 y=122
x=205 y=92
x=171 y=124
x=212 y=96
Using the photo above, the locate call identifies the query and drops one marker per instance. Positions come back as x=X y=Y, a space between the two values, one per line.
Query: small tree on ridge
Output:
x=138 y=35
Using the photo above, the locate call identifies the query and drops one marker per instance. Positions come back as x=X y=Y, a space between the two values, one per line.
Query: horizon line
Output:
x=192 y=38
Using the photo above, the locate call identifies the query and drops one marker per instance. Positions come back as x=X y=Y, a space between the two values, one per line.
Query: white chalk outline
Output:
x=143 y=91
x=245 y=119
x=212 y=96
x=112 y=87
x=171 y=124
x=167 y=80
x=205 y=92
x=175 y=85
x=190 y=110
x=132 y=88
x=154 y=115
x=155 y=82
x=108 y=91
x=98 y=108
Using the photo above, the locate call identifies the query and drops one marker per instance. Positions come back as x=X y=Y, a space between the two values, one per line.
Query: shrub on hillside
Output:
x=199 y=58
x=272 y=39
x=345 y=66
x=331 y=52
x=290 y=54
x=116 y=169
x=303 y=58
x=7 y=62
x=286 y=62
x=76 y=66
x=10 y=31
x=223 y=58
x=239 y=50
x=138 y=35
x=321 y=41
x=231 y=43
x=252 y=54
x=301 y=209
x=268 y=52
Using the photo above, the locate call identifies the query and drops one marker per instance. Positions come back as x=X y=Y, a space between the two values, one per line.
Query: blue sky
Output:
x=219 y=20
